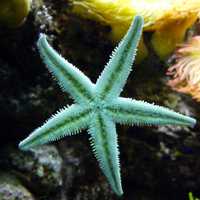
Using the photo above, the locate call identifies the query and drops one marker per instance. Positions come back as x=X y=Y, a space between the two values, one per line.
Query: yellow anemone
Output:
x=13 y=12
x=167 y=19
x=186 y=71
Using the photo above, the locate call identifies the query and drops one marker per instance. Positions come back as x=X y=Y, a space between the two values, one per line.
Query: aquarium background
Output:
x=157 y=163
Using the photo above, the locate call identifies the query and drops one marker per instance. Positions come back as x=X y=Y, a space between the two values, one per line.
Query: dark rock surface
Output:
x=158 y=163
x=39 y=169
x=12 y=189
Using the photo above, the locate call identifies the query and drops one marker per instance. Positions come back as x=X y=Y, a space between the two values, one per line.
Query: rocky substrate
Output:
x=158 y=163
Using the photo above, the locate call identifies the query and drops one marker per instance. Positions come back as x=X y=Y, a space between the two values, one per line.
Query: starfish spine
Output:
x=70 y=78
x=113 y=78
x=68 y=121
x=133 y=112
x=105 y=147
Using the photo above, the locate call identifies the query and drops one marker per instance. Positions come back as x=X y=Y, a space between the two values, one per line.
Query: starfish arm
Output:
x=114 y=76
x=128 y=111
x=66 y=122
x=105 y=147
x=70 y=78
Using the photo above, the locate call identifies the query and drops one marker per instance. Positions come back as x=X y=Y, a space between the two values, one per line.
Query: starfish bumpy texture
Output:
x=98 y=107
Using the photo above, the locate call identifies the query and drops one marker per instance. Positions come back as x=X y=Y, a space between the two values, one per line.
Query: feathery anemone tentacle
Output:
x=185 y=72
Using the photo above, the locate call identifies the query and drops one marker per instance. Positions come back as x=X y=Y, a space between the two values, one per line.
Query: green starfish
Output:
x=98 y=107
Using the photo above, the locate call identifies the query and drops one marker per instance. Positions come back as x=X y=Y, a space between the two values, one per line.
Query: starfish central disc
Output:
x=98 y=105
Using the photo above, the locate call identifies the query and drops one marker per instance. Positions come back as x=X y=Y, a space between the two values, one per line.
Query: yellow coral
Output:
x=13 y=12
x=186 y=72
x=118 y=13
x=168 y=19
x=171 y=27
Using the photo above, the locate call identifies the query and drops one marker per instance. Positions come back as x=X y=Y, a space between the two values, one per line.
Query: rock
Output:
x=39 y=168
x=97 y=191
x=83 y=179
x=12 y=189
